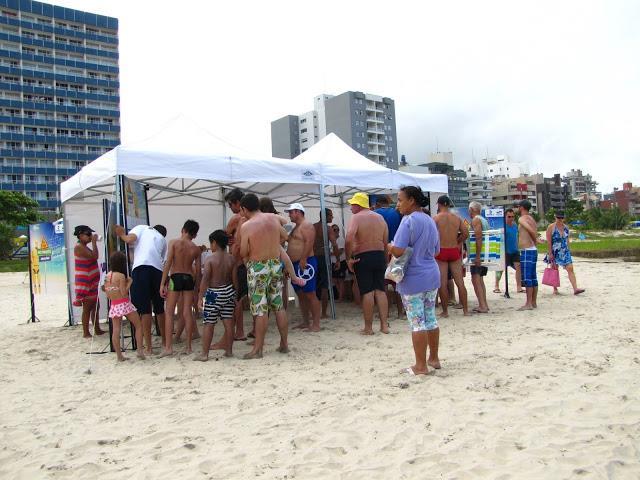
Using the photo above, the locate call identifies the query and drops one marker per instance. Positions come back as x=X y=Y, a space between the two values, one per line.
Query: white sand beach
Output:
x=553 y=393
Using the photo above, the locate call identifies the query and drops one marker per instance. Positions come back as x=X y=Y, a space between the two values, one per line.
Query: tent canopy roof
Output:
x=184 y=159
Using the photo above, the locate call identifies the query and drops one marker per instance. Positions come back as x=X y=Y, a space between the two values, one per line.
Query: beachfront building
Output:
x=499 y=166
x=551 y=194
x=583 y=188
x=479 y=189
x=508 y=191
x=59 y=95
x=442 y=163
x=364 y=121
x=627 y=199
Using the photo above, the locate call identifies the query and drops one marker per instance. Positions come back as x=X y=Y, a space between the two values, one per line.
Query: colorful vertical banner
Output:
x=492 y=255
x=48 y=271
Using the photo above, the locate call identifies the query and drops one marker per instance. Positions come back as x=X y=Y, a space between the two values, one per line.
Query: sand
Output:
x=549 y=394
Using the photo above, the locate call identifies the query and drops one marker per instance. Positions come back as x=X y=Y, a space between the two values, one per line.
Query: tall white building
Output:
x=499 y=166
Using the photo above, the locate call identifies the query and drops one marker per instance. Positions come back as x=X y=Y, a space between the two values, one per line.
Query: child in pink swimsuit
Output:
x=116 y=286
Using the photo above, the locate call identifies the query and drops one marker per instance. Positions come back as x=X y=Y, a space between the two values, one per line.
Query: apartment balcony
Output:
x=375 y=120
x=373 y=129
x=375 y=141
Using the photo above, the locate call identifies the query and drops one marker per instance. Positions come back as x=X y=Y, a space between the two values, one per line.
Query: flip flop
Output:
x=497 y=290
x=251 y=335
x=408 y=371
x=241 y=339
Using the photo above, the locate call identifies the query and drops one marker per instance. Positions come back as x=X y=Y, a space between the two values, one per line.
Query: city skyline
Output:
x=552 y=85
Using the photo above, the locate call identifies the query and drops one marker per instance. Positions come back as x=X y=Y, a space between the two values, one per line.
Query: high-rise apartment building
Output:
x=59 y=95
x=499 y=166
x=364 y=121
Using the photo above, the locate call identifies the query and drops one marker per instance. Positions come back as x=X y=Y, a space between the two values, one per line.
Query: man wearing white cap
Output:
x=367 y=237
x=300 y=250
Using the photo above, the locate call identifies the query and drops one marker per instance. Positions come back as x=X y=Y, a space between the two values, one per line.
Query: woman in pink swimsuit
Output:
x=116 y=286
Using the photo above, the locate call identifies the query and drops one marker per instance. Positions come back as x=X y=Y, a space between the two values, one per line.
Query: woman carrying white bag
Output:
x=420 y=278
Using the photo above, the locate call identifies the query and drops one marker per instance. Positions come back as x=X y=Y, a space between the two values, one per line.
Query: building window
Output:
x=304 y=130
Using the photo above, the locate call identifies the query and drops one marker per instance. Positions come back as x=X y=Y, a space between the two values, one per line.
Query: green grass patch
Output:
x=14 y=266
x=602 y=247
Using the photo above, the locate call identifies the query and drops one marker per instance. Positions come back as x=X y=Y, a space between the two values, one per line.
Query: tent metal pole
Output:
x=327 y=255
x=224 y=207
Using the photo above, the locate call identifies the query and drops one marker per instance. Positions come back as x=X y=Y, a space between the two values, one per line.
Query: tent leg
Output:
x=327 y=256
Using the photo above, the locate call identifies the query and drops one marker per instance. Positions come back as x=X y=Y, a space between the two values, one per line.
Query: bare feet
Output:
x=148 y=351
x=122 y=358
x=525 y=307
x=478 y=310
x=228 y=354
x=240 y=339
x=218 y=346
x=177 y=340
x=578 y=291
x=252 y=355
x=458 y=306
x=384 y=329
x=434 y=364
x=413 y=371
x=366 y=332
x=201 y=358
x=467 y=314
x=300 y=325
x=86 y=335
x=444 y=314
x=186 y=351
x=282 y=349
x=311 y=329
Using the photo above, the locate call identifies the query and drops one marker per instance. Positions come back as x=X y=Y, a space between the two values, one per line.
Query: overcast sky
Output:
x=554 y=84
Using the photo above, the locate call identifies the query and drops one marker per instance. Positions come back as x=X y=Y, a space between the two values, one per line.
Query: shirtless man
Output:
x=453 y=233
x=367 y=237
x=318 y=252
x=527 y=239
x=218 y=289
x=233 y=231
x=260 y=239
x=300 y=250
x=183 y=261
x=478 y=272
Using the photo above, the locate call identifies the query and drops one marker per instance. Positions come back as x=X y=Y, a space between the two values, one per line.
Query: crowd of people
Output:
x=251 y=261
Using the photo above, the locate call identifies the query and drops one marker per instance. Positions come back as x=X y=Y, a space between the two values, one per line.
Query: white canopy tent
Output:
x=188 y=171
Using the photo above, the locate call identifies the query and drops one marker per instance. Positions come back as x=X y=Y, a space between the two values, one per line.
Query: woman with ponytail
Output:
x=419 y=286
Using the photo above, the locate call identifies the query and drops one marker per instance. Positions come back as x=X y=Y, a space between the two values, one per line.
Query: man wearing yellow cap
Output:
x=367 y=236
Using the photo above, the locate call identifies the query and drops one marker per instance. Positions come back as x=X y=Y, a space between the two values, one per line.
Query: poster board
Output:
x=492 y=255
x=136 y=211
x=48 y=271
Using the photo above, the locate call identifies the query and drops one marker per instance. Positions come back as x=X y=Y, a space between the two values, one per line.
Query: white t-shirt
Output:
x=150 y=247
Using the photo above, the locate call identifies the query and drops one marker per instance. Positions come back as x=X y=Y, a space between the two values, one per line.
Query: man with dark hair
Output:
x=512 y=254
x=260 y=238
x=218 y=289
x=392 y=218
x=149 y=253
x=453 y=234
x=232 y=229
x=322 y=286
x=183 y=261
x=527 y=240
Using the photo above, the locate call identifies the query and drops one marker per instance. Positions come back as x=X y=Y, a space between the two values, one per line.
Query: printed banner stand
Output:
x=33 y=318
x=47 y=265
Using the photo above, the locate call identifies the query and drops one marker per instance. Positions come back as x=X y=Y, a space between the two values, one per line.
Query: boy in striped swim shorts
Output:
x=219 y=292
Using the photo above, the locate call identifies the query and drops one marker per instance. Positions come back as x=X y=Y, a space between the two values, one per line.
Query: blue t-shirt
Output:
x=422 y=272
x=511 y=243
x=392 y=217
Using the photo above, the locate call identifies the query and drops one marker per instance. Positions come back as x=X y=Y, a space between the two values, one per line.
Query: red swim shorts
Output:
x=449 y=254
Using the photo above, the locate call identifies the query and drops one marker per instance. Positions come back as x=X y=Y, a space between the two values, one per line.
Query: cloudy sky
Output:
x=554 y=84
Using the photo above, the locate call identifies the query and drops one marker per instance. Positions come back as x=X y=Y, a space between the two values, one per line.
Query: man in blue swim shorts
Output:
x=300 y=250
x=527 y=239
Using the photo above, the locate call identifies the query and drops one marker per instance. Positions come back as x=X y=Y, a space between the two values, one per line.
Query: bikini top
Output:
x=110 y=288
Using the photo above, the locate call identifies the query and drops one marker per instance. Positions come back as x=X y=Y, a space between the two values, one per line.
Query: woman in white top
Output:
x=339 y=264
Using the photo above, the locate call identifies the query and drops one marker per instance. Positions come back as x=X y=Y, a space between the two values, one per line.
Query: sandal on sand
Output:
x=497 y=290
x=241 y=339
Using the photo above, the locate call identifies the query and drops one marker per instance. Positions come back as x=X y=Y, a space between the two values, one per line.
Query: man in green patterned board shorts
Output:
x=260 y=239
